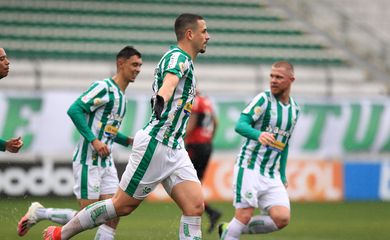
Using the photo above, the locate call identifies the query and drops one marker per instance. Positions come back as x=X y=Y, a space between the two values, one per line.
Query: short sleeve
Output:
x=256 y=108
x=177 y=64
x=95 y=97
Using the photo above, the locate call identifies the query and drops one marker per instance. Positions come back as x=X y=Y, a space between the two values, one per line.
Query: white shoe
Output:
x=29 y=219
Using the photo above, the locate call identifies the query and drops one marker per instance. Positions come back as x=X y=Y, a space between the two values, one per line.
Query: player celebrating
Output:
x=259 y=173
x=97 y=115
x=158 y=154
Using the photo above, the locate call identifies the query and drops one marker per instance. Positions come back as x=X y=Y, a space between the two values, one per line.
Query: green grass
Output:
x=310 y=221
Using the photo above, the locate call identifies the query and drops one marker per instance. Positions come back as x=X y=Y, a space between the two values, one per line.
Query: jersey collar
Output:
x=181 y=50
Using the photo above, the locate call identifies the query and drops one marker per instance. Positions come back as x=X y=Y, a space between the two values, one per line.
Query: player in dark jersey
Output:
x=200 y=133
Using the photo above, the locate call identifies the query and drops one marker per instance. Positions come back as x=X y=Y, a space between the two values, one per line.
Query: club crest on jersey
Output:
x=97 y=101
x=182 y=67
x=257 y=111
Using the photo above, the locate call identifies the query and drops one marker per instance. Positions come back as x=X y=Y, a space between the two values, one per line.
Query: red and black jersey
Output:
x=203 y=132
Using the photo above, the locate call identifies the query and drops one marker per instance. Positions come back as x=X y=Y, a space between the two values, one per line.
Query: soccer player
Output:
x=14 y=144
x=200 y=133
x=260 y=171
x=158 y=154
x=97 y=115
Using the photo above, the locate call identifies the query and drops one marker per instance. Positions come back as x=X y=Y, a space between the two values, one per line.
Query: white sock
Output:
x=260 y=224
x=91 y=216
x=234 y=230
x=105 y=232
x=190 y=228
x=57 y=215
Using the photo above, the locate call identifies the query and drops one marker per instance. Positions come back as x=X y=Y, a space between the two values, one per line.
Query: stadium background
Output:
x=340 y=152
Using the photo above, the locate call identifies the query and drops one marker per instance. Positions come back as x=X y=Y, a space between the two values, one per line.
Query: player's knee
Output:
x=281 y=221
x=243 y=216
x=194 y=209
x=113 y=223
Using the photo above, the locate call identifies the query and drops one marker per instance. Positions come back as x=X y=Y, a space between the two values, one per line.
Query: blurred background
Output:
x=340 y=151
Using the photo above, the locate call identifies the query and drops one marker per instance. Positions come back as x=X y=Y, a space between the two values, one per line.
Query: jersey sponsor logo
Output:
x=110 y=131
x=115 y=117
x=277 y=146
x=278 y=131
x=188 y=108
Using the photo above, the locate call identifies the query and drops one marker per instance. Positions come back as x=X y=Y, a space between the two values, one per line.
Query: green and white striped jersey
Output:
x=272 y=116
x=105 y=105
x=171 y=128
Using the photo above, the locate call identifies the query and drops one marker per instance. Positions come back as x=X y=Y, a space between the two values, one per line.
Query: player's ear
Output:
x=189 y=34
x=120 y=62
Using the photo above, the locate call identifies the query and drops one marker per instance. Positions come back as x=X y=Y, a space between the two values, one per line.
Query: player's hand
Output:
x=266 y=138
x=14 y=144
x=130 y=141
x=101 y=148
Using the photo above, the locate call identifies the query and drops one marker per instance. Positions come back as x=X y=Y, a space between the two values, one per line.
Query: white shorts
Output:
x=251 y=189
x=93 y=181
x=151 y=163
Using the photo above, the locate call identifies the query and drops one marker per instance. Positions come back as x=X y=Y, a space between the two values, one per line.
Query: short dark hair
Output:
x=127 y=52
x=185 y=21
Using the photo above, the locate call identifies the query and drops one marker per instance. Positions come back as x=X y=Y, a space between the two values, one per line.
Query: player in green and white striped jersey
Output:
x=14 y=144
x=158 y=154
x=259 y=179
x=97 y=115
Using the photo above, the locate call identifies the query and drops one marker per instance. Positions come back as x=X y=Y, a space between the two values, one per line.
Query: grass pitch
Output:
x=159 y=221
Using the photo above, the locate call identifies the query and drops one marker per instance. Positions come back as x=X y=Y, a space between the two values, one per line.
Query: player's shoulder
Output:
x=294 y=104
x=264 y=96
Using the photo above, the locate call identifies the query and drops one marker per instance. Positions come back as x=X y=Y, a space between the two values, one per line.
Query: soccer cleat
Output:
x=52 y=233
x=29 y=219
x=222 y=228
x=213 y=217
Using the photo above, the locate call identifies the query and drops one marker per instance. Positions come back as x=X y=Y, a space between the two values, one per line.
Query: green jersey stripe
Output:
x=279 y=121
x=242 y=153
x=84 y=182
x=142 y=167
x=265 y=124
x=104 y=119
x=240 y=176
x=85 y=143
x=252 y=161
